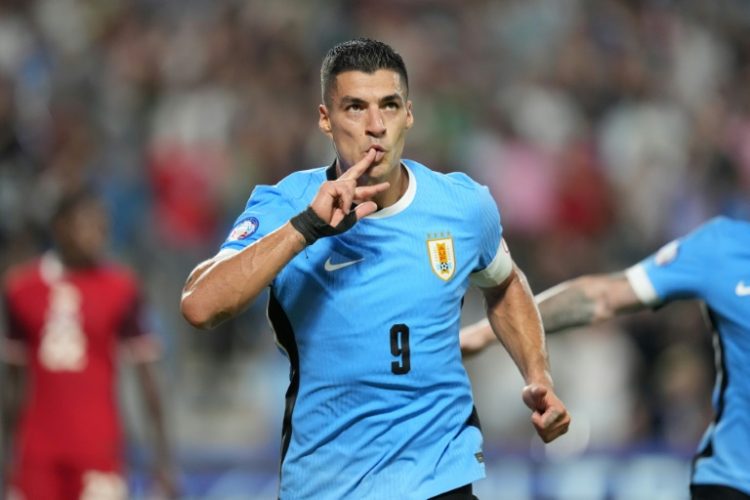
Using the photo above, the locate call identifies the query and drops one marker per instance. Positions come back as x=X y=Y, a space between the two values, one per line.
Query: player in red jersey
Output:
x=66 y=315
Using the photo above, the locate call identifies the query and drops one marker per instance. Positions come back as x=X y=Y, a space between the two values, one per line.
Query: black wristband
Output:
x=313 y=227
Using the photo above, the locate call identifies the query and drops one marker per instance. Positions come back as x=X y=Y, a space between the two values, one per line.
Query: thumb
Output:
x=534 y=395
x=365 y=208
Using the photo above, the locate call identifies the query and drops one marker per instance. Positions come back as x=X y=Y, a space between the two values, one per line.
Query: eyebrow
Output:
x=391 y=98
x=346 y=100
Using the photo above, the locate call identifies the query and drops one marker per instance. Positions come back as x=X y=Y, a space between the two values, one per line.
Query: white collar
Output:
x=51 y=268
x=402 y=203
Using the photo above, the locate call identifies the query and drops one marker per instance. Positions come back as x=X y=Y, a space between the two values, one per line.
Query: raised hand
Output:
x=549 y=416
x=334 y=199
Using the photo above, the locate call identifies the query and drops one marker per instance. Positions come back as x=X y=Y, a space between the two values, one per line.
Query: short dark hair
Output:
x=361 y=54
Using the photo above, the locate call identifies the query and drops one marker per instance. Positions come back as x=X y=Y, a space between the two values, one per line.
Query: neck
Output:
x=76 y=262
x=399 y=183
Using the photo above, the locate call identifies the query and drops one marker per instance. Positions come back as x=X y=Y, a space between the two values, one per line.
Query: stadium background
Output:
x=603 y=128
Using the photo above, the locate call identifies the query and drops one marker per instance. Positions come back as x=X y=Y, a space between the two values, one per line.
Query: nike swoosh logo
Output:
x=742 y=289
x=330 y=266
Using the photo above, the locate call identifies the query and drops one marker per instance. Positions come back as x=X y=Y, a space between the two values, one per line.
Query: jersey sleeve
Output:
x=266 y=211
x=677 y=270
x=494 y=261
x=12 y=342
x=135 y=332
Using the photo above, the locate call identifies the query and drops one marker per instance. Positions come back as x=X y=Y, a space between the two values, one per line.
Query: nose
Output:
x=375 y=123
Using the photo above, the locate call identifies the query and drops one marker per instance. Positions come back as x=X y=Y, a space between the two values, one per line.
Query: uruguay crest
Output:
x=442 y=258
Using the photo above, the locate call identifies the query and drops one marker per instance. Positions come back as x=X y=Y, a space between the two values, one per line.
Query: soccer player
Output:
x=367 y=262
x=67 y=312
x=712 y=264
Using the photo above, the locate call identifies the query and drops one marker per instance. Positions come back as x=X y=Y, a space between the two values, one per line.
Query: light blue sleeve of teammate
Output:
x=495 y=263
x=678 y=270
x=266 y=211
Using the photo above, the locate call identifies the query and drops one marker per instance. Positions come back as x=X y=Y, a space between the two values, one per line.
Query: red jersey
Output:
x=67 y=324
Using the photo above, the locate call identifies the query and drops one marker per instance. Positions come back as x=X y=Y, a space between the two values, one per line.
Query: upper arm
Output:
x=678 y=270
x=265 y=211
x=13 y=348
x=494 y=262
x=135 y=331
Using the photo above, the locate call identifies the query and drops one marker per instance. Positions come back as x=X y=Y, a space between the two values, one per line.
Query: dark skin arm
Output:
x=163 y=465
x=581 y=301
x=514 y=318
x=11 y=394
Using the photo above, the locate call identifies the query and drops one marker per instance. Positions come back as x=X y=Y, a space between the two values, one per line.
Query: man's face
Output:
x=368 y=110
x=82 y=234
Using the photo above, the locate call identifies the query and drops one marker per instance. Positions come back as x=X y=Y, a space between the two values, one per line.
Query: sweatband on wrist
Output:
x=313 y=227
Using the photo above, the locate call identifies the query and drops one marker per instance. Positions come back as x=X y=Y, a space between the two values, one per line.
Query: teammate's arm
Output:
x=12 y=388
x=581 y=301
x=586 y=300
x=221 y=287
x=474 y=338
x=514 y=318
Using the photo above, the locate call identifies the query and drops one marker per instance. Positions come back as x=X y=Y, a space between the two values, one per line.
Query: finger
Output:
x=337 y=216
x=366 y=208
x=555 y=432
x=550 y=435
x=324 y=202
x=550 y=418
x=552 y=424
x=345 y=198
x=544 y=432
x=534 y=396
x=359 y=168
x=363 y=193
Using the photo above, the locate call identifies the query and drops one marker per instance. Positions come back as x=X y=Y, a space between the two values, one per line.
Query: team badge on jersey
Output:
x=442 y=258
x=244 y=229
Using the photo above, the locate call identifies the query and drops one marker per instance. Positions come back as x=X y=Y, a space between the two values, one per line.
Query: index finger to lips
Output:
x=360 y=167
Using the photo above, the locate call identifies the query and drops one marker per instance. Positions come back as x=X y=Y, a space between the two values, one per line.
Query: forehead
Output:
x=83 y=210
x=368 y=86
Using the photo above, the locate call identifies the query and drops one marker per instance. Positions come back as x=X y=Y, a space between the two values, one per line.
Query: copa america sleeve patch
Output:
x=244 y=229
x=498 y=270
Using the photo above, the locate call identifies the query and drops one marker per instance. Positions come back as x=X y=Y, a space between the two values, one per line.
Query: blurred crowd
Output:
x=603 y=128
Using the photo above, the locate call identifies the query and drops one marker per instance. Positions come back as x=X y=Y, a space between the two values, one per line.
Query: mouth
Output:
x=379 y=152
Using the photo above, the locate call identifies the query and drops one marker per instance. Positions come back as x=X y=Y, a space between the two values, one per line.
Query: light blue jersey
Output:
x=713 y=264
x=379 y=404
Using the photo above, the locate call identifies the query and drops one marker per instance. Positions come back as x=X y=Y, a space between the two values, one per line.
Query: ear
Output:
x=324 y=120
x=409 y=115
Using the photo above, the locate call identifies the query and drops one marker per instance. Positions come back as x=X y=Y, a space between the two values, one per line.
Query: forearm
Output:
x=564 y=306
x=515 y=320
x=10 y=401
x=586 y=300
x=220 y=289
x=155 y=412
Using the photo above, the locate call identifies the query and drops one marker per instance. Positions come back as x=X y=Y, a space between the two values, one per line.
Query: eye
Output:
x=392 y=105
x=354 y=107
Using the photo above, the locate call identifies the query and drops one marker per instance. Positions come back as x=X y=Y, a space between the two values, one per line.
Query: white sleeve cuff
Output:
x=497 y=271
x=641 y=284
